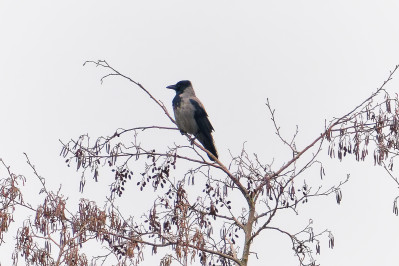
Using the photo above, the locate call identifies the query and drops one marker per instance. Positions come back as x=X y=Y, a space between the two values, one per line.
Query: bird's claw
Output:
x=192 y=140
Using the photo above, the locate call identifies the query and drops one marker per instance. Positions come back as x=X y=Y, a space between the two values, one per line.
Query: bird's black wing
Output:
x=204 y=128
x=201 y=117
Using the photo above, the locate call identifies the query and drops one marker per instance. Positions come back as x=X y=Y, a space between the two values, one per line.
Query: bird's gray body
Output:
x=184 y=111
x=191 y=116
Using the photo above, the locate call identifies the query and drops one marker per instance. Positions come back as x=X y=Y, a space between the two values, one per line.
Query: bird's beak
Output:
x=173 y=87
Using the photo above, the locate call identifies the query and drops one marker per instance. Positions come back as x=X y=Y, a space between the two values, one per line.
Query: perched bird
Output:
x=191 y=116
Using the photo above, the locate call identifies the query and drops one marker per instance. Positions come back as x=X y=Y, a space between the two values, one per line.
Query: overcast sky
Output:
x=313 y=59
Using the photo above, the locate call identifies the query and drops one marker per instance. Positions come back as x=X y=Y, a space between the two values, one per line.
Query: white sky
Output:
x=312 y=59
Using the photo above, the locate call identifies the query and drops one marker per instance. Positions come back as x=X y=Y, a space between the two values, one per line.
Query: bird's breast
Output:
x=184 y=114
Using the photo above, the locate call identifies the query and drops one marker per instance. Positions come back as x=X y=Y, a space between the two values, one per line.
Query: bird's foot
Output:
x=192 y=139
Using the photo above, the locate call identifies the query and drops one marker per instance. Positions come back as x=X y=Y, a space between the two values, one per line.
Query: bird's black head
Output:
x=180 y=86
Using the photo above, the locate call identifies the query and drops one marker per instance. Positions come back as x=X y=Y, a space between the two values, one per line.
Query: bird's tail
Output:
x=208 y=143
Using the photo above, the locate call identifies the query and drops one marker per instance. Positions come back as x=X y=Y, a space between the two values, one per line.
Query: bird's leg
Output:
x=192 y=139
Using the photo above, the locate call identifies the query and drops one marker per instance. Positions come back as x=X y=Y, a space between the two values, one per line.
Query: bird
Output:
x=191 y=116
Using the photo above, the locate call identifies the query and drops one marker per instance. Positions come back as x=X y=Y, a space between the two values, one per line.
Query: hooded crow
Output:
x=191 y=116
